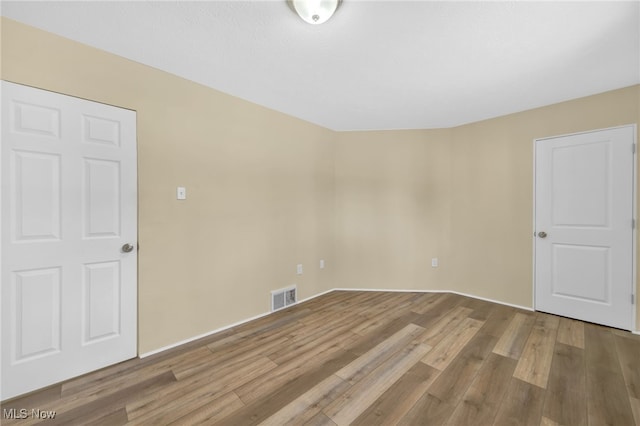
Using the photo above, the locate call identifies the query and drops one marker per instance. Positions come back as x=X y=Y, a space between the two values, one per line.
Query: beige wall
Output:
x=267 y=191
x=492 y=190
x=259 y=184
x=392 y=208
x=464 y=195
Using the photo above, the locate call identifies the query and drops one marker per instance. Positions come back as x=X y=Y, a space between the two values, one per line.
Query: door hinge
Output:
x=633 y=224
x=633 y=148
x=633 y=299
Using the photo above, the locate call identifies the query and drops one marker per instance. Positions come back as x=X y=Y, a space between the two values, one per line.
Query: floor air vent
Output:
x=283 y=298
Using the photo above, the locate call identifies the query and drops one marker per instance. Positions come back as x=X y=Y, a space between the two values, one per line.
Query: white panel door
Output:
x=584 y=232
x=68 y=206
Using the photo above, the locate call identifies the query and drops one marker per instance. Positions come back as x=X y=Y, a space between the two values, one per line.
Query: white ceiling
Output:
x=375 y=64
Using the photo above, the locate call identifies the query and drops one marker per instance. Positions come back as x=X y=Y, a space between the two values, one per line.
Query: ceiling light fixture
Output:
x=315 y=11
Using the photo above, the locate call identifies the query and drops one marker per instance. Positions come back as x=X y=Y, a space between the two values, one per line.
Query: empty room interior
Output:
x=376 y=212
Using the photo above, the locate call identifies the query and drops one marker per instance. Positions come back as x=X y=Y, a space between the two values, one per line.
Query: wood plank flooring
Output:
x=369 y=358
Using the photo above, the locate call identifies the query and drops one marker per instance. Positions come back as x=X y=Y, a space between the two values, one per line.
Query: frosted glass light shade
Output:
x=315 y=11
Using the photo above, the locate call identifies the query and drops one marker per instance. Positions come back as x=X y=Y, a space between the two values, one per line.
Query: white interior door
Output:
x=584 y=228
x=68 y=205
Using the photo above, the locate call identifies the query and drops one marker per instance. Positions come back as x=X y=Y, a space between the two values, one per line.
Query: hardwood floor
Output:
x=369 y=358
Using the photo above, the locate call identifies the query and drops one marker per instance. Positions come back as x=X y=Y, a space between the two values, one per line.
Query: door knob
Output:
x=127 y=248
x=542 y=234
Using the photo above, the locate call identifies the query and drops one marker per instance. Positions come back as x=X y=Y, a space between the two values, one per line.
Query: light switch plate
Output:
x=181 y=193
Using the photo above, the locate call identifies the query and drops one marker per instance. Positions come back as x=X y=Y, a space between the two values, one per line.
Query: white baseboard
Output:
x=315 y=295
x=200 y=336
x=218 y=330
x=526 y=308
x=486 y=299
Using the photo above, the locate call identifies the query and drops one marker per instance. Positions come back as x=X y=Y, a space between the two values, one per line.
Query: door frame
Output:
x=634 y=127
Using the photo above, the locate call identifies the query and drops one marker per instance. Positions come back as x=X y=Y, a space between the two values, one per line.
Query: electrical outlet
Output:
x=299 y=269
x=434 y=262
